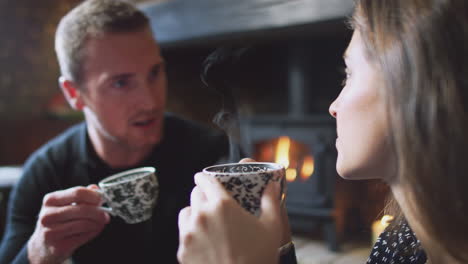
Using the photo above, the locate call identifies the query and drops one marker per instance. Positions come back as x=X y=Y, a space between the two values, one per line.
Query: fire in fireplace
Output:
x=304 y=142
x=306 y=148
x=294 y=156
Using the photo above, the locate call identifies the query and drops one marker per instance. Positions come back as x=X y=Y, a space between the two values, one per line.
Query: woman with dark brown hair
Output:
x=402 y=117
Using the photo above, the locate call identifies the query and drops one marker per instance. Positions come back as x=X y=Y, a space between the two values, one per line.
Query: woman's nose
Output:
x=332 y=108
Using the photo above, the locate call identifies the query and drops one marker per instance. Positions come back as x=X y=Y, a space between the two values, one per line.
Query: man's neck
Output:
x=435 y=254
x=118 y=155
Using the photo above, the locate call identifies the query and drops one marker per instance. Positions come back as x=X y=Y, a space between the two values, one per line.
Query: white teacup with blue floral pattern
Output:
x=247 y=181
x=131 y=194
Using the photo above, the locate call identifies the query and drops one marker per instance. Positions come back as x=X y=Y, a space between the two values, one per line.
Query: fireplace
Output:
x=303 y=140
x=287 y=84
x=304 y=143
x=306 y=148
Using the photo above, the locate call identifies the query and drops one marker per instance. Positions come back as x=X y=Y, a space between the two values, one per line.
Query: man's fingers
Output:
x=93 y=187
x=71 y=228
x=82 y=238
x=66 y=246
x=56 y=215
x=78 y=195
x=210 y=187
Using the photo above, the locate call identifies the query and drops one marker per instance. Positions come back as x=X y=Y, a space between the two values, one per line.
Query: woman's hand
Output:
x=215 y=229
x=286 y=229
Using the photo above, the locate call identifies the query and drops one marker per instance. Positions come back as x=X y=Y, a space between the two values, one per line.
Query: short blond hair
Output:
x=88 y=19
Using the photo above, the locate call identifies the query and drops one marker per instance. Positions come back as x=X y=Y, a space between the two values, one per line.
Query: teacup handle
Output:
x=107 y=209
x=103 y=208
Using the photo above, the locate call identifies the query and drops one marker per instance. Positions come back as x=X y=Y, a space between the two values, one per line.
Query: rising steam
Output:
x=219 y=73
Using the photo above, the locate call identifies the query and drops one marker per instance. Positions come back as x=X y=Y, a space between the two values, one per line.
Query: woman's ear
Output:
x=71 y=93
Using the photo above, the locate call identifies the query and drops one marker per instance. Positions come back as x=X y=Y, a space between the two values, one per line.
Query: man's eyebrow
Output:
x=160 y=63
x=158 y=66
x=120 y=76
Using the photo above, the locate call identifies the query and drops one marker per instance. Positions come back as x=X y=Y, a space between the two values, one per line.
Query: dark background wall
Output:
x=29 y=72
x=28 y=75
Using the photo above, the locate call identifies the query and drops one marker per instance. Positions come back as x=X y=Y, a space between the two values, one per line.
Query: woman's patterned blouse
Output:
x=397 y=245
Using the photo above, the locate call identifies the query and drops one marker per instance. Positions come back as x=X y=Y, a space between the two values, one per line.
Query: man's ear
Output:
x=71 y=93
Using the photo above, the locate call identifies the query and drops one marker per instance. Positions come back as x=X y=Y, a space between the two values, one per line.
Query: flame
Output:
x=291 y=174
x=282 y=151
x=308 y=167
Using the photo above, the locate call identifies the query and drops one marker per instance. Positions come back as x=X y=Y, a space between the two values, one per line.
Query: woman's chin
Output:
x=349 y=177
x=354 y=174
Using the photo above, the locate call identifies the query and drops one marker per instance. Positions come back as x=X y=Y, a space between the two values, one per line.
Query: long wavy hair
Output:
x=421 y=49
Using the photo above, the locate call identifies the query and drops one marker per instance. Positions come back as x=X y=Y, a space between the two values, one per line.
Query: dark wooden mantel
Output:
x=179 y=23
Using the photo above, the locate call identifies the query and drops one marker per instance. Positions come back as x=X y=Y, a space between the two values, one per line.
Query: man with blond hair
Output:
x=111 y=70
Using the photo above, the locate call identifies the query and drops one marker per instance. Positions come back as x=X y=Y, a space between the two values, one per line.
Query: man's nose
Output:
x=152 y=95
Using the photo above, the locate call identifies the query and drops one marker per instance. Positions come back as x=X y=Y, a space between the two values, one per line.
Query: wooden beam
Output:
x=187 y=22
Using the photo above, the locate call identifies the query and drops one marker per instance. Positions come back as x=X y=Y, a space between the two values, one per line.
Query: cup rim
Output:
x=103 y=182
x=277 y=166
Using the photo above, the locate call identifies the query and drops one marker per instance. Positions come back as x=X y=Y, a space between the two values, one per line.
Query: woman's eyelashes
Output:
x=346 y=76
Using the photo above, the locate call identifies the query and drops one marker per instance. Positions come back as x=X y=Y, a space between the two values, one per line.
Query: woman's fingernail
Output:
x=244 y=160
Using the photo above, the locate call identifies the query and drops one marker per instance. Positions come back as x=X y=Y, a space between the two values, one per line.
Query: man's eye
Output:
x=121 y=83
x=155 y=72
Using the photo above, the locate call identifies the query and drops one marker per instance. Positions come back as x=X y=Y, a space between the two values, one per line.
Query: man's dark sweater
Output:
x=70 y=160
